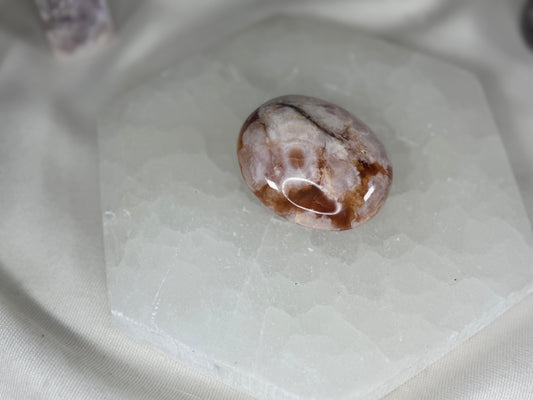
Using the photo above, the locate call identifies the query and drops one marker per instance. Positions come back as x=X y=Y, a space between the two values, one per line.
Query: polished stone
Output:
x=199 y=267
x=314 y=163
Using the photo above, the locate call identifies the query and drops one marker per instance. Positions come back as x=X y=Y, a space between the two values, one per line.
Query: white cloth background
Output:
x=56 y=336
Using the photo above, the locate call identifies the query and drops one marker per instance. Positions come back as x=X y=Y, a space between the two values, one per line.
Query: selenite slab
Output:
x=199 y=267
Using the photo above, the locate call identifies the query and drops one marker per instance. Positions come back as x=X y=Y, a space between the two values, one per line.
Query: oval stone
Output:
x=314 y=163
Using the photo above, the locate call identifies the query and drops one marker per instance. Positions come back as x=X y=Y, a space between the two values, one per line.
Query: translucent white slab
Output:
x=197 y=266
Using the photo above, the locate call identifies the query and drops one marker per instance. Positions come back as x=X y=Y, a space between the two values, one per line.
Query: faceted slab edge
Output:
x=207 y=365
x=257 y=387
x=469 y=332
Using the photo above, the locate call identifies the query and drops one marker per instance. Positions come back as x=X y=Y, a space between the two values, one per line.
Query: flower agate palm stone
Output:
x=314 y=163
x=199 y=267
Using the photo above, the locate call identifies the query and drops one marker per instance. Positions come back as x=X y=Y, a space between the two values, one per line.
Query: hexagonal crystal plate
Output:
x=197 y=266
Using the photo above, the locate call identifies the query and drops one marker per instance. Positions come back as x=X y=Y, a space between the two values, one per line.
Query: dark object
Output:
x=527 y=23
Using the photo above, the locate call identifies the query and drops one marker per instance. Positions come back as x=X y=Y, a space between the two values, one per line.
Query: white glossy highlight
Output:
x=289 y=181
x=369 y=193
x=272 y=184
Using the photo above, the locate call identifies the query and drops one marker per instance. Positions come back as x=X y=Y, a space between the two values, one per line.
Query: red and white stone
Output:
x=314 y=163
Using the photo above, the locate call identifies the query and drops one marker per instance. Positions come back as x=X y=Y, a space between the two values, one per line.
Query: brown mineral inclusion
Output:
x=314 y=163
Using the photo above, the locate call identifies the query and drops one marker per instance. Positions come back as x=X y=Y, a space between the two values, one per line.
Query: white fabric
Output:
x=56 y=336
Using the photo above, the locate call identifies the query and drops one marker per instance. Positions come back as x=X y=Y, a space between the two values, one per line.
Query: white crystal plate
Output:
x=197 y=266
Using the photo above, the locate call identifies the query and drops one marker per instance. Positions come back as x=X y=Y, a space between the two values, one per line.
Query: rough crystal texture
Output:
x=71 y=25
x=314 y=163
x=197 y=266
